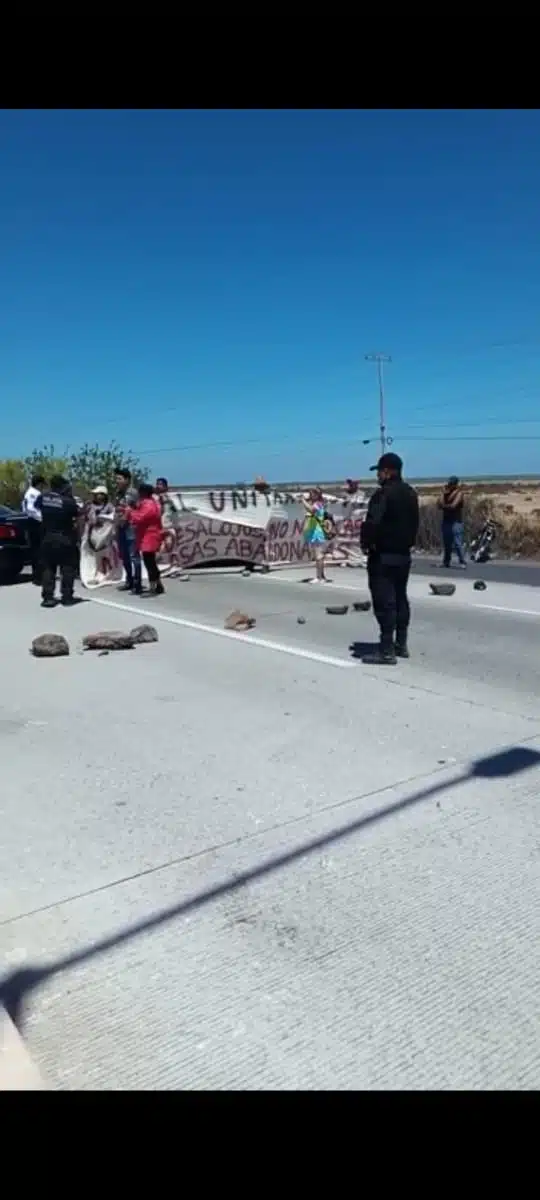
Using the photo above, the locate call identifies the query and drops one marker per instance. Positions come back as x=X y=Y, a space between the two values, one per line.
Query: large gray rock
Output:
x=144 y=633
x=443 y=589
x=49 y=645
x=108 y=641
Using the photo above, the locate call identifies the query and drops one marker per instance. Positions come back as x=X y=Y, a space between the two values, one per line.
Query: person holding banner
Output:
x=125 y=533
x=145 y=519
x=100 y=518
x=318 y=531
x=170 y=505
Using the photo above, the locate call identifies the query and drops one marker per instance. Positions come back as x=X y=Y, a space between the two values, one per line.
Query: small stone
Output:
x=362 y=605
x=239 y=622
x=337 y=610
x=108 y=641
x=144 y=633
x=103 y=653
x=247 y=574
x=49 y=645
x=479 y=585
x=443 y=589
x=301 y=620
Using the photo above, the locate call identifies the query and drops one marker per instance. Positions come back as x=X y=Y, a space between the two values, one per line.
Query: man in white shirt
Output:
x=37 y=483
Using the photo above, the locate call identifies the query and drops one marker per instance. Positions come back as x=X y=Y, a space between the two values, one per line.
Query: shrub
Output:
x=84 y=468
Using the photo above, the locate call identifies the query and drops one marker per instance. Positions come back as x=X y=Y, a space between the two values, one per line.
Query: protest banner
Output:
x=232 y=526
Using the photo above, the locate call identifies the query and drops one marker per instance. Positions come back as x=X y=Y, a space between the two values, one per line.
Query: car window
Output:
x=6 y=512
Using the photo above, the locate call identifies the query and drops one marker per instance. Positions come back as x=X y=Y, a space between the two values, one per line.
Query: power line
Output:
x=436 y=405
x=474 y=424
x=342 y=441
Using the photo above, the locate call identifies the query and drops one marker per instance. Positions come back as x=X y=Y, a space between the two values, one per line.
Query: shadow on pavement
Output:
x=358 y=649
x=16 y=988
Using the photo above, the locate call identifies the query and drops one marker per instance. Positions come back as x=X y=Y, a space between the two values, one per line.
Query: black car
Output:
x=14 y=545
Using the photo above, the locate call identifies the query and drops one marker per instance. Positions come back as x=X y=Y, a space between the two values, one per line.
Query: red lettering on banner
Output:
x=300 y=551
x=199 y=551
x=288 y=551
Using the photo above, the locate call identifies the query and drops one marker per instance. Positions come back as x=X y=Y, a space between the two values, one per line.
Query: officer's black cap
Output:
x=58 y=483
x=389 y=461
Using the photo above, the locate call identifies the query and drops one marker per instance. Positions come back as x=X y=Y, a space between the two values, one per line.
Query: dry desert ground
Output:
x=510 y=498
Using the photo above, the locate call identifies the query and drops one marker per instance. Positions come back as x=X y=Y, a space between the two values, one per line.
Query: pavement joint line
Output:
x=398 y=680
x=251 y=836
x=327 y=660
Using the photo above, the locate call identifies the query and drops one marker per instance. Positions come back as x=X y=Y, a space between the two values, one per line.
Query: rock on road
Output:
x=265 y=865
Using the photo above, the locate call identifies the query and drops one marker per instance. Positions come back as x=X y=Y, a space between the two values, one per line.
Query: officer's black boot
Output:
x=384 y=655
x=402 y=649
x=48 y=582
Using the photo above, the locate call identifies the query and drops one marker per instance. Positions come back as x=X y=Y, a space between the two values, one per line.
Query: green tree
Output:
x=84 y=468
x=92 y=464
x=12 y=482
x=47 y=462
x=15 y=473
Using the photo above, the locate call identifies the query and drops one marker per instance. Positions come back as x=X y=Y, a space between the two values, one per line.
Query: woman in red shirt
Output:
x=146 y=521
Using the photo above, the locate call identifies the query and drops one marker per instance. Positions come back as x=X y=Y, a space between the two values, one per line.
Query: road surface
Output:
x=500 y=571
x=249 y=861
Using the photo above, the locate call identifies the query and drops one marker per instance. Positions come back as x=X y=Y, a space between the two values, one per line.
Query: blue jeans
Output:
x=452 y=533
x=131 y=559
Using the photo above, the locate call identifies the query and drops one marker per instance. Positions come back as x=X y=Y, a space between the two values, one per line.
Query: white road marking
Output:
x=246 y=638
x=516 y=612
x=461 y=600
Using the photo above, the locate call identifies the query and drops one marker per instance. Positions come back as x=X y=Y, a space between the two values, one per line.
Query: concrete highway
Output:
x=250 y=861
x=500 y=571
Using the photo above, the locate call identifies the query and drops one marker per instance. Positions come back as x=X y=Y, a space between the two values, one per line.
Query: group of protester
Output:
x=56 y=520
x=139 y=516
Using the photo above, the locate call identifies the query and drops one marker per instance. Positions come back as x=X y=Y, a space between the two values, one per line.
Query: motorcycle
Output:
x=482 y=547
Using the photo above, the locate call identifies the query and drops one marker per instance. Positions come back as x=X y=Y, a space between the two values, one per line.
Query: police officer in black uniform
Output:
x=59 y=541
x=388 y=534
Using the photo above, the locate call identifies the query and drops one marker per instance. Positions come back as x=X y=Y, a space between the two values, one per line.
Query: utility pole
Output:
x=380 y=359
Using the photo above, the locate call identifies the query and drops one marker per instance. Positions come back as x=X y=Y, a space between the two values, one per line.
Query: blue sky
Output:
x=213 y=280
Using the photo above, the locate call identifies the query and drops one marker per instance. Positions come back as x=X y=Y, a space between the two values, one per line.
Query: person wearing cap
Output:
x=59 y=519
x=451 y=503
x=387 y=537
